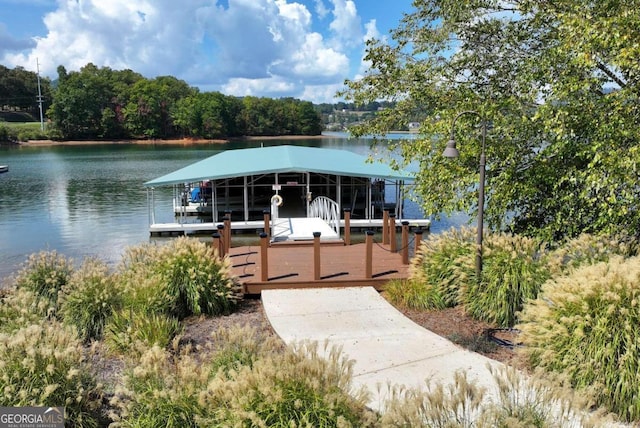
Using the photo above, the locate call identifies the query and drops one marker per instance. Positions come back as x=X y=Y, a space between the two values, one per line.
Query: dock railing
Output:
x=326 y=209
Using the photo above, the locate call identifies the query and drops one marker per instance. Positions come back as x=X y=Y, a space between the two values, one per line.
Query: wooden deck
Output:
x=292 y=266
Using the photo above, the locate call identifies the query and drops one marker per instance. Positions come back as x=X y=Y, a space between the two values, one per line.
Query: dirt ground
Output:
x=452 y=324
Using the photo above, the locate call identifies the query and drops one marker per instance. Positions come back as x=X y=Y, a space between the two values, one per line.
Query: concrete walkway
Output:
x=387 y=347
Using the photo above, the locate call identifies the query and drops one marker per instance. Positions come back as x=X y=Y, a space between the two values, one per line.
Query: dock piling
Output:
x=227 y=229
x=217 y=244
x=264 y=258
x=392 y=232
x=417 y=241
x=221 y=238
x=267 y=222
x=405 y=242
x=347 y=226
x=316 y=256
x=369 y=254
x=385 y=227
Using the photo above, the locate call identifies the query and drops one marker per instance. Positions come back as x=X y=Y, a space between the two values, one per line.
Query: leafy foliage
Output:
x=585 y=325
x=555 y=82
x=104 y=103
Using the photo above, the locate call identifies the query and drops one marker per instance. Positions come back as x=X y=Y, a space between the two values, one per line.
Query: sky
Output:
x=272 y=48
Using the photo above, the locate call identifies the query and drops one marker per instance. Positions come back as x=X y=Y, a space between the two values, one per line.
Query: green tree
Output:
x=148 y=112
x=208 y=115
x=557 y=84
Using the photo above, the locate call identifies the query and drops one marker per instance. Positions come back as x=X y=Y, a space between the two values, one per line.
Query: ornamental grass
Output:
x=514 y=268
x=519 y=401
x=585 y=325
x=20 y=308
x=195 y=280
x=414 y=294
x=45 y=273
x=267 y=385
x=88 y=299
x=44 y=365
x=440 y=262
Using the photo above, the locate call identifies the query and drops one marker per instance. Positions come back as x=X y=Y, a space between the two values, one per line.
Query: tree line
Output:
x=102 y=103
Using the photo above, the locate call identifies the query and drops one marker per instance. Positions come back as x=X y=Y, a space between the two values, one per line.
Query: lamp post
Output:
x=452 y=152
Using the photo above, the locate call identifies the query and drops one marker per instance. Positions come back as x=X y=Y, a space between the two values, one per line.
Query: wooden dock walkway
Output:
x=293 y=266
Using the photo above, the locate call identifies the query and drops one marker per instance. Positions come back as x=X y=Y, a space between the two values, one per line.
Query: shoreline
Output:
x=182 y=142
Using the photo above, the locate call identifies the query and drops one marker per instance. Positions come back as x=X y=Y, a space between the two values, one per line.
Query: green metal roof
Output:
x=265 y=160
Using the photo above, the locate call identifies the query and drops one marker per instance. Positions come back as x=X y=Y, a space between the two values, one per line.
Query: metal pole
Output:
x=483 y=161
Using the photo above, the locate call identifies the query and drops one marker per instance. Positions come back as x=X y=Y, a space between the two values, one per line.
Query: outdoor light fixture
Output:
x=452 y=152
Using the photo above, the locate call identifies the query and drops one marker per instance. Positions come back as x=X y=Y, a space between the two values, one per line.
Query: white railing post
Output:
x=326 y=209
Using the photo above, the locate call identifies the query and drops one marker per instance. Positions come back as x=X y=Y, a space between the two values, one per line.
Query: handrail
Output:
x=326 y=209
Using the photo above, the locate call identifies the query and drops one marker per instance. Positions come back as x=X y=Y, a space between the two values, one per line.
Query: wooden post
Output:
x=267 y=222
x=221 y=245
x=264 y=259
x=347 y=226
x=369 y=254
x=316 y=256
x=405 y=242
x=227 y=229
x=385 y=227
x=216 y=244
x=392 y=233
x=417 y=241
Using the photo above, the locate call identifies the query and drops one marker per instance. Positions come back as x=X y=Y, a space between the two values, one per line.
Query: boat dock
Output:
x=306 y=264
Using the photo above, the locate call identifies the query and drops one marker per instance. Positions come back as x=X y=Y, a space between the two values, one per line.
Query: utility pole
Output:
x=39 y=95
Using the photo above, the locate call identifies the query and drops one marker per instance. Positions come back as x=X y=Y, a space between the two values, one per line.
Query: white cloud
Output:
x=321 y=9
x=346 y=22
x=239 y=47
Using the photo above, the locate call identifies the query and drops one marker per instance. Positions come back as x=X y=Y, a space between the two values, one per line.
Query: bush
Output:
x=414 y=294
x=585 y=325
x=514 y=268
x=440 y=262
x=43 y=365
x=45 y=273
x=89 y=298
x=267 y=385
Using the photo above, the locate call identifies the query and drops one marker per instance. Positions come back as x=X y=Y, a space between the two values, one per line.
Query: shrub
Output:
x=89 y=298
x=19 y=308
x=585 y=325
x=129 y=332
x=414 y=294
x=45 y=273
x=440 y=262
x=43 y=365
x=514 y=268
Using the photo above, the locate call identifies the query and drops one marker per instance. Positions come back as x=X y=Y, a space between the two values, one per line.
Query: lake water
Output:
x=89 y=200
